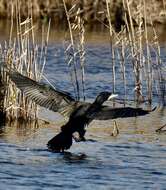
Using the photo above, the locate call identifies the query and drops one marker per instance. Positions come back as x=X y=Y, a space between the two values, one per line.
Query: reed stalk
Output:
x=75 y=50
x=81 y=49
x=111 y=36
x=72 y=48
x=133 y=47
x=149 y=66
x=122 y=62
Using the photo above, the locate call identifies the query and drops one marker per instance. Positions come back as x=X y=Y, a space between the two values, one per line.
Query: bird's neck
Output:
x=98 y=103
x=95 y=105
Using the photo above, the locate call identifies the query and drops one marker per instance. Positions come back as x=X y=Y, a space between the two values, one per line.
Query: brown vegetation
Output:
x=92 y=12
x=23 y=54
x=127 y=42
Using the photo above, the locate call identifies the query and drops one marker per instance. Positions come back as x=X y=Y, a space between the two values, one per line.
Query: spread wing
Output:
x=44 y=95
x=107 y=112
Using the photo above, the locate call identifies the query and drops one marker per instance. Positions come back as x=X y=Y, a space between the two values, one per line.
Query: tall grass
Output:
x=132 y=44
x=23 y=54
x=75 y=50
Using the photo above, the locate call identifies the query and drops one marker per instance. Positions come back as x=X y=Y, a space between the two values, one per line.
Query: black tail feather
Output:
x=60 y=142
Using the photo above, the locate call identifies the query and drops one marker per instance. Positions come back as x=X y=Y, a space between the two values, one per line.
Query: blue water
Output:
x=101 y=165
x=135 y=159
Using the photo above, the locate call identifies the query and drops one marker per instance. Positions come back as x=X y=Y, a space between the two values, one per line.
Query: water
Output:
x=136 y=158
x=130 y=160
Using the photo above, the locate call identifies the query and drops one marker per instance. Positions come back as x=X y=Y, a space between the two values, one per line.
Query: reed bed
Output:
x=132 y=44
x=23 y=54
x=129 y=45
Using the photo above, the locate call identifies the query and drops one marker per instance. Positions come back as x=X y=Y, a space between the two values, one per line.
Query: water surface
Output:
x=135 y=159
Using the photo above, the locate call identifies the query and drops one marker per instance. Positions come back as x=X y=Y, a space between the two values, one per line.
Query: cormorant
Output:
x=80 y=114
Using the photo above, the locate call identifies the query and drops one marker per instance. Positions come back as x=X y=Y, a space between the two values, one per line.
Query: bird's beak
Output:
x=112 y=96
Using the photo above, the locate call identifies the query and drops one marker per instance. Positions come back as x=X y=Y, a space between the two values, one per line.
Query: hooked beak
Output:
x=112 y=96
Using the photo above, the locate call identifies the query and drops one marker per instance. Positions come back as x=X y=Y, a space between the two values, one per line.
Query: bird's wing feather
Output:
x=107 y=112
x=42 y=94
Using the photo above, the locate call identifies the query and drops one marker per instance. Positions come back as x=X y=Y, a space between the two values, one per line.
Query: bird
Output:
x=79 y=113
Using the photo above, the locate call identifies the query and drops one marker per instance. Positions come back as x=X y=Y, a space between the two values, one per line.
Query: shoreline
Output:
x=58 y=33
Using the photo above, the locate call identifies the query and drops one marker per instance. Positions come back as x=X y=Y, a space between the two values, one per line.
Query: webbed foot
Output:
x=79 y=139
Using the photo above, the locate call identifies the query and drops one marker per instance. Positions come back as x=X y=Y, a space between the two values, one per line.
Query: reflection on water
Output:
x=58 y=34
x=133 y=159
x=71 y=157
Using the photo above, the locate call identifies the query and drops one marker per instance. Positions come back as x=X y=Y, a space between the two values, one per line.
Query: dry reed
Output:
x=130 y=45
x=23 y=54
x=74 y=50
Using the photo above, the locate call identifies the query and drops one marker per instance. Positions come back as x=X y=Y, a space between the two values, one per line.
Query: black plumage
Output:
x=80 y=114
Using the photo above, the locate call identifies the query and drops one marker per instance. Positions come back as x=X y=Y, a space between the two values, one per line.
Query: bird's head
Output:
x=104 y=96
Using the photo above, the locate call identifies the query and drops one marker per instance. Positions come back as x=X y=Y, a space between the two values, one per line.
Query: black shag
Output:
x=80 y=114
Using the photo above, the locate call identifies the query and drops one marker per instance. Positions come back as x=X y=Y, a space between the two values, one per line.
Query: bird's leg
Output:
x=77 y=139
x=115 y=131
x=81 y=137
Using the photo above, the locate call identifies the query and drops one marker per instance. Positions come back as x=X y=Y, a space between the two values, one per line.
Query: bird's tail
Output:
x=60 y=142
